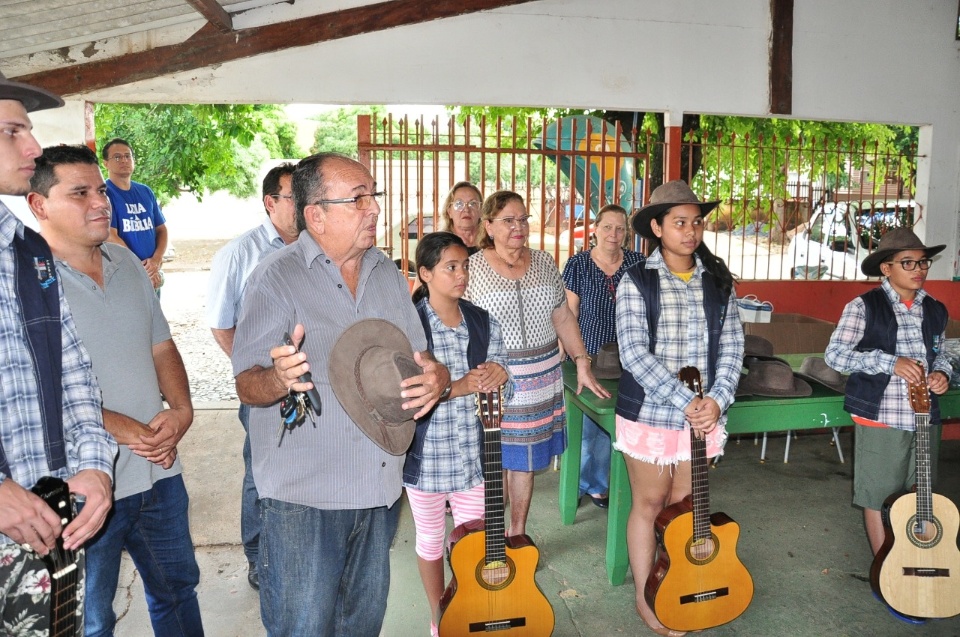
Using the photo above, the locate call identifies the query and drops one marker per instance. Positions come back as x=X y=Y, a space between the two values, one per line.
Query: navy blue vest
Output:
x=39 y=301
x=864 y=391
x=630 y=394
x=478 y=326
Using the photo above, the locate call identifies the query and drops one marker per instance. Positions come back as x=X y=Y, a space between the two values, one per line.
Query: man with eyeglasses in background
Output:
x=137 y=221
x=328 y=494
x=232 y=266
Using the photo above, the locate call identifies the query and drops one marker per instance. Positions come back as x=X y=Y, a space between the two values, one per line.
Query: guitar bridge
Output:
x=704 y=596
x=921 y=571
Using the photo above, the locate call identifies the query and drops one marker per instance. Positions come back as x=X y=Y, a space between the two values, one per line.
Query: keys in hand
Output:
x=293 y=412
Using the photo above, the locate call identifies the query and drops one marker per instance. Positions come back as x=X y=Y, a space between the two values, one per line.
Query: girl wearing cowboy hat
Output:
x=885 y=339
x=676 y=309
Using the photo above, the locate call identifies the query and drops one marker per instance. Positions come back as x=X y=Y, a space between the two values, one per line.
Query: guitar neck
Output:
x=701 y=489
x=489 y=411
x=924 y=477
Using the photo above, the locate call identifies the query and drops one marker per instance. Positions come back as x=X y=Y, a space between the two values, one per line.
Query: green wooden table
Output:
x=753 y=414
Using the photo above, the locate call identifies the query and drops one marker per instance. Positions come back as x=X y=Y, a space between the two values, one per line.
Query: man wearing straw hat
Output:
x=329 y=489
x=50 y=418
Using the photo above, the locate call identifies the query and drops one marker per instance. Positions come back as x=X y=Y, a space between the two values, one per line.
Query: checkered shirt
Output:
x=841 y=355
x=453 y=448
x=681 y=341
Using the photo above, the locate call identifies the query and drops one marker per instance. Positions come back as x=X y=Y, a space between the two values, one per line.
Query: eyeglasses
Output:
x=459 y=205
x=124 y=157
x=290 y=197
x=910 y=265
x=514 y=221
x=360 y=202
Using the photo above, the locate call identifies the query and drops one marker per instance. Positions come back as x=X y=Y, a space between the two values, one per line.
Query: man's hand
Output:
x=426 y=388
x=95 y=486
x=909 y=370
x=168 y=428
x=938 y=382
x=289 y=364
x=26 y=519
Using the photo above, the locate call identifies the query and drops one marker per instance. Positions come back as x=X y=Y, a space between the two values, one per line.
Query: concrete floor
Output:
x=800 y=538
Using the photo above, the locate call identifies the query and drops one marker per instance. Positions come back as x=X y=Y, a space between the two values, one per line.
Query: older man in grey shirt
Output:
x=328 y=494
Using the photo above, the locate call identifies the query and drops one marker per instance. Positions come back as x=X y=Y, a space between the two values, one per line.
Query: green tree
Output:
x=199 y=148
x=337 y=129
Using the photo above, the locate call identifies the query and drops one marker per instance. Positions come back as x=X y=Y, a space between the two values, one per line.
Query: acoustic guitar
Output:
x=61 y=563
x=493 y=587
x=698 y=581
x=917 y=569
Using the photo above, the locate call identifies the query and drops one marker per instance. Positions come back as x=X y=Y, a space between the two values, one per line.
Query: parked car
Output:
x=828 y=246
x=874 y=218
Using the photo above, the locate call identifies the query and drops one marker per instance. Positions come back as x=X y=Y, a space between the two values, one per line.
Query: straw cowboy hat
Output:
x=893 y=242
x=367 y=363
x=665 y=196
x=773 y=379
x=815 y=369
x=33 y=98
x=607 y=362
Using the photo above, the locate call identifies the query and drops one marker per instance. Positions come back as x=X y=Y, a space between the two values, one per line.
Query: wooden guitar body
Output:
x=493 y=598
x=917 y=570
x=493 y=587
x=697 y=586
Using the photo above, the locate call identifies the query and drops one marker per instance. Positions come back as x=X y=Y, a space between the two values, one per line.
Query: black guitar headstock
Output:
x=691 y=376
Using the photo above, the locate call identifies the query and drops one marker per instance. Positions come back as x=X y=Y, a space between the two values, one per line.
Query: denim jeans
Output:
x=249 y=498
x=154 y=529
x=594 y=459
x=324 y=572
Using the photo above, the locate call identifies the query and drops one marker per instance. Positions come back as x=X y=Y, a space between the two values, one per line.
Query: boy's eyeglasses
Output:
x=910 y=264
x=473 y=204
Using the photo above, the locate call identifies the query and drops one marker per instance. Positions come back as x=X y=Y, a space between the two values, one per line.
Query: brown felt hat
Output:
x=606 y=364
x=664 y=197
x=32 y=98
x=367 y=364
x=815 y=369
x=757 y=348
x=893 y=242
x=774 y=379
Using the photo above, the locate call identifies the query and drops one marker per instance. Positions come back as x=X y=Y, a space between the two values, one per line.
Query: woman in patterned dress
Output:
x=522 y=288
x=591 y=278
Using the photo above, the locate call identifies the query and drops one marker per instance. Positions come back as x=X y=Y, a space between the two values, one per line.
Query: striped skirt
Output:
x=534 y=421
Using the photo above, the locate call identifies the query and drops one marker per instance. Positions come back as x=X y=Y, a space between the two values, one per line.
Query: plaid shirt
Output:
x=841 y=355
x=88 y=445
x=452 y=450
x=681 y=341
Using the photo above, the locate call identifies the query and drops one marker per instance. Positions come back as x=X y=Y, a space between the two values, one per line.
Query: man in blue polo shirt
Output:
x=137 y=222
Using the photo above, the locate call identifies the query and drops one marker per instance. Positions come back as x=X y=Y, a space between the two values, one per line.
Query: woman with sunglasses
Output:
x=461 y=213
x=591 y=279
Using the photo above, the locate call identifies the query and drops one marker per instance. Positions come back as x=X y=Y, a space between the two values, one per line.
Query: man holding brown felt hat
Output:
x=329 y=491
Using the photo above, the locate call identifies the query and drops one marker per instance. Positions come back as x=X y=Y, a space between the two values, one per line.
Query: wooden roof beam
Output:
x=208 y=47
x=215 y=14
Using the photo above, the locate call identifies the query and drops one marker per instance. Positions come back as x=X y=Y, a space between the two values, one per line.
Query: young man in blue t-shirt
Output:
x=137 y=221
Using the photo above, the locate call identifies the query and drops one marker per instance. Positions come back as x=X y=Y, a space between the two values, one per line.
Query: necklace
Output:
x=507 y=263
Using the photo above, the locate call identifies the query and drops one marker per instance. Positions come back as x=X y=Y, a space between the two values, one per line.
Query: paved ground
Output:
x=801 y=540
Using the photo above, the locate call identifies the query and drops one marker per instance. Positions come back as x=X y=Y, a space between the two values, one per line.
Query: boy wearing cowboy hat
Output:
x=886 y=339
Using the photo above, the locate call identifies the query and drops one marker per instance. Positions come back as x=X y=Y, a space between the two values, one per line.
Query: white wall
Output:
x=858 y=60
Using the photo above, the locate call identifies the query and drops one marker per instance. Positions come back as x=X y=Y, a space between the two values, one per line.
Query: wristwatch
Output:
x=446 y=392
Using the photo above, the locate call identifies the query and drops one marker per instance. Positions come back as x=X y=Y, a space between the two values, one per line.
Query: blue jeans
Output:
x=249 y=498
x=594 y=459
x=324 y=572
x=154 y=529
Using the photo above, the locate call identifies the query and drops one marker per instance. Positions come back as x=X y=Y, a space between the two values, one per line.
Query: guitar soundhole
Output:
x=924 y=533
x=496 y=575
x=702 y=551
